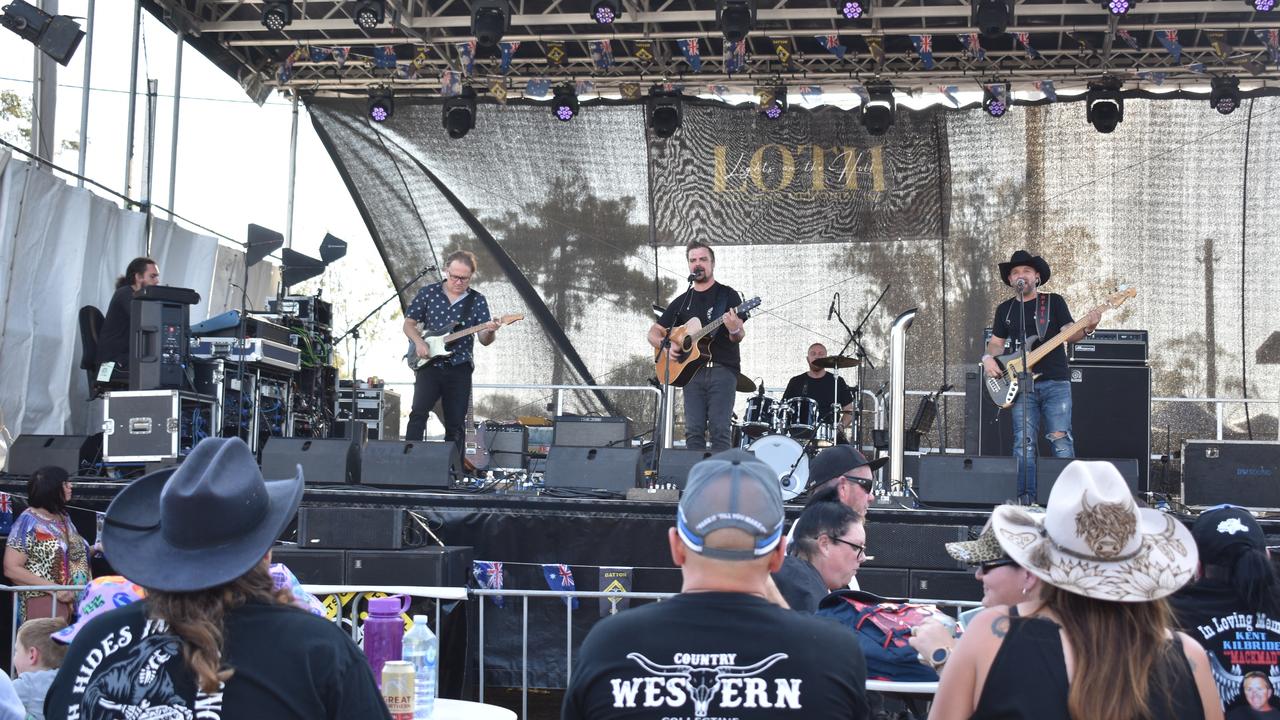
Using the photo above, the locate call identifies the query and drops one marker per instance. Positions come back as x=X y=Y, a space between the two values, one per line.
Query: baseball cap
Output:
x=731 y=489
x=838 y=460
x=1224 y=531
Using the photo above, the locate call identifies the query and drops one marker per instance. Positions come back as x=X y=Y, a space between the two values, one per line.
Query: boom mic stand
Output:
x=864 y=361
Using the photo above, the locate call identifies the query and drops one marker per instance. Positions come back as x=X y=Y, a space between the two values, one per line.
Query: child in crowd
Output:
x=36 y=659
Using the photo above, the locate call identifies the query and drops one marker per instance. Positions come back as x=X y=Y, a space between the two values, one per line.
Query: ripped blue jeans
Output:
x=1051 y=401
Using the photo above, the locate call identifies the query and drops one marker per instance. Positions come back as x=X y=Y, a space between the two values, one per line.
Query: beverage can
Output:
x=397 y=689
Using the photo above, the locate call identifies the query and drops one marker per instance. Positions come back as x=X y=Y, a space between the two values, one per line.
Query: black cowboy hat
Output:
x=1022 y=257
x=201 y=525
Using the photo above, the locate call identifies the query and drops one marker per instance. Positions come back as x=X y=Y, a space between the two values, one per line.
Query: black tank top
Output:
x=1028 y=678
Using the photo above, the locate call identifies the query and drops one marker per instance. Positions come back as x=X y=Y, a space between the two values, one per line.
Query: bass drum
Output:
x=788 y=460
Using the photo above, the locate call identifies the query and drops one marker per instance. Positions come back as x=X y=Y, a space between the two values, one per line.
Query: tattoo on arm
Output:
x=1000 y=626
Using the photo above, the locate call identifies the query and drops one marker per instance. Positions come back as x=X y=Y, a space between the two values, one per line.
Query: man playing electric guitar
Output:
x=1048 y=399
x=447 y=378
x=709 y=395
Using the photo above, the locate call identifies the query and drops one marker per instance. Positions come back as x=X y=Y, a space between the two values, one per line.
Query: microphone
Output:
x=694 y=275
x=832 y=310
x=1022 y=284
x=426 y=270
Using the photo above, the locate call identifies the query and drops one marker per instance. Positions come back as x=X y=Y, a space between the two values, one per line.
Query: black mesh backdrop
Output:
x=1166 y=203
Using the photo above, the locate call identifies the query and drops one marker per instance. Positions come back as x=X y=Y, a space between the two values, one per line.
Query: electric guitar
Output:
x=694 y=341
x=1004 y=389
x=475 y=454
x=439 y=339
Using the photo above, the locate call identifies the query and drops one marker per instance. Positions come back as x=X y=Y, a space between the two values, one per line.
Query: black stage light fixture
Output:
x=1224 y=95
x=490 y=20
x=1118 y=7
x=605 y=11
x=735 y=18
x=332 y=249
x=852 y=9
x=991 y=17
x=459 y=113
x=773 y=101
x=997 y=98
x=564 y=103
x=277 y=15
x=381 y=104
x=1104 y=105
x=665 y=111
x=1261 y=5
x=57 y=36
x=369 y=14
x=879 y=110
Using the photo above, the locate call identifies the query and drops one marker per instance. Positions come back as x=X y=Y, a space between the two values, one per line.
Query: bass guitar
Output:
x=439 y=339
x=694 y=341
x=1004 y=389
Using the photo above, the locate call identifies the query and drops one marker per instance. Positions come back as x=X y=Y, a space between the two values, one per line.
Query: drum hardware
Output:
x=799 y=417
x=745 y=384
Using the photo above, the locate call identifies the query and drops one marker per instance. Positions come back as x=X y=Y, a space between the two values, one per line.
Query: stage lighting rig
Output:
x=878 y=111
x=852 y=9
x=57 y=36
x=997 y=98
x=1261 y=5
x=605 y=11
x=665 y=111
x=277 y=14
x=735 y=18
x=381 y=104
x=1118 y=7
x=564 y=103
x=1224 y=94
x=1104 y=105
x=490 y=20
x=369 y=14
x=459 y=114
x=773 y=101
x=991 y=17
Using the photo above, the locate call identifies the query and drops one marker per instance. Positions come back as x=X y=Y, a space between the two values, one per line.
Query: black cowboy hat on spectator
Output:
x=201 y=525
x=1022 y=257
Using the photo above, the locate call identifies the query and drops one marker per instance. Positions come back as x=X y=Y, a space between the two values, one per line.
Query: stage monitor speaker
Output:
x=592 y=431
x=69 y=452
x=313 y=567
x=967 y=480
x=428 y=566
x=404 y=464
x=886 y=582
x=613 y=469
x=1243 y=472
x=324 y=461
x=903 y=545
x=508 y=445
x=674 y=464
x=944 y=585
x=1048 y=470
x=351 y=528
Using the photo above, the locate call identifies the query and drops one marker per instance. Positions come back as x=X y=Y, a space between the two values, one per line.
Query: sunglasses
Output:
x=995 y=564
x=864 y=483
x=860 y=549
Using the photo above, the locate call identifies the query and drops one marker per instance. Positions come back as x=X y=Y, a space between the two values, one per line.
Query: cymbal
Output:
x=836 y=361
x=745 y=384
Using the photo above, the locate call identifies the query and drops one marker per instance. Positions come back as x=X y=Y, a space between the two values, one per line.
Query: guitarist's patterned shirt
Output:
x=431 y=308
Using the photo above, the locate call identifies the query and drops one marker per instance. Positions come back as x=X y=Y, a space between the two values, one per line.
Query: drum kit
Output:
x=785 y=434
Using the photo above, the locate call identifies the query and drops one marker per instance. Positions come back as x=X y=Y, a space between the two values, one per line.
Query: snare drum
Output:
x=760 y=415
x=801 y=417
x=787 y=458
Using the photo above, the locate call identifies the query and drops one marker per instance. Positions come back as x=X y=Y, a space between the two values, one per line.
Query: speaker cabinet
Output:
x=967 y=480
x=1048 y=470
x=429 y=566
x=613 y=469
x=674 y=464
x=69 y=452
x=592 y=431
x=351 y=528
x=945 y=585
x=888 y=583
x=323 y=461
x=1244 y=472
x=902 y=545
x=313 y=567
x=508 y=445
x=405 y=464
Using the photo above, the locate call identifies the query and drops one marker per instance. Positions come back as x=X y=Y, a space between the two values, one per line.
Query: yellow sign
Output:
x=799 y=169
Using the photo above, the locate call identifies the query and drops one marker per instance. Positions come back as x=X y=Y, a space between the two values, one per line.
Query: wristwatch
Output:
x=938 y=658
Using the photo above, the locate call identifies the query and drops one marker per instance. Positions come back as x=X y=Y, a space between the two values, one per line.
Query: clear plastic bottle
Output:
x=422 y=650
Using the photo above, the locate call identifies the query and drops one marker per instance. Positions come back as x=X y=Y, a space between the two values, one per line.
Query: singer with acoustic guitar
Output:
x=710 y=392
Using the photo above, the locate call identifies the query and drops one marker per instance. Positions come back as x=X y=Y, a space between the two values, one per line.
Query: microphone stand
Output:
x=666 y=379
x=354 y=333
x=1029 y=447
x=864 y=359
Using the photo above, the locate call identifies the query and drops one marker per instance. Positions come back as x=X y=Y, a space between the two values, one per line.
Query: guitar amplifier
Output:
x=1244 y=472
x=508 y=444
x=592 y=431
x=1110 y=346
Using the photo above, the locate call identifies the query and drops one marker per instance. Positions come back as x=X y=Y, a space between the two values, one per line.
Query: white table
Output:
x=463 y=710
x=903 y=688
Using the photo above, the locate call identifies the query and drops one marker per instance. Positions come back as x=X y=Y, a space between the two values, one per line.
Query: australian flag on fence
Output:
x=560 y=577
x=488 y=575
x=924 y=48
x=690 y=50
x=6 y=513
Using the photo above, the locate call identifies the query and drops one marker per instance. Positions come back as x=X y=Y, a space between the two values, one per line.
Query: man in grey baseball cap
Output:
x=700 y=653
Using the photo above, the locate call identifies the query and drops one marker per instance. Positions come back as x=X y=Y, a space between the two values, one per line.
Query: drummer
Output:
x=824 y=389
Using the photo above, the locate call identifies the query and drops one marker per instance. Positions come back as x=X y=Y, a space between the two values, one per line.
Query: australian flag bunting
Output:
x=735 y=56
x=1046 y=87
x=689 y=48
x=810 y=92
x=924 y=48
x=560 y=577
x=1169 y=39
x=718 y=90
x=6 y=513
x=1197 y=68
x=319 y=54
x=467 y=54
x=1271 y=41
x=585 y=87
x=602 y=53
x=508 y=50
x=538 y=88
x=875 y=46
x=1128 y=39
x=861 y=92
x=488 y=576
x=1155 y=77
x=340 y=55
x=1025 y=39
x=949 y=91
x=832 y=44
x=384 y=56
x=450 y=83
x=972 y=43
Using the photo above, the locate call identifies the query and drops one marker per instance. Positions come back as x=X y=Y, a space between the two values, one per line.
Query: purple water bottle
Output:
x=384 y=632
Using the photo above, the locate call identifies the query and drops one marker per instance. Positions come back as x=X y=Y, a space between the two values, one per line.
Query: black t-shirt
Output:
x=1239 y=639
x=801 y=584
x=820 y=390
x=717 y=655
x=703 y=307
x=1006 y=325
x=113 y=336
x=288 y=664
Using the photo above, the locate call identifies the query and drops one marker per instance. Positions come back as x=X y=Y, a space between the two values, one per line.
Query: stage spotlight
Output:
x=665 y=111
x=57 y=36
x=991 y=17
x=490 y=20
x=605 y=11
x=852 y=9
x=735 y=18
x=1225 y=94
x=995 y=104
x=564 y=103
x=1119 y=7
x=878 y=112
x=773 y=101
x=1104 y=106
x=459 y=114
x=381 y=104
x=1261 y=5
x=276 y=15
x=369 y=14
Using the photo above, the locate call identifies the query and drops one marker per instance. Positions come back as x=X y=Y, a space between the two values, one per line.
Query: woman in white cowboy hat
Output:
x=1098 y=643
